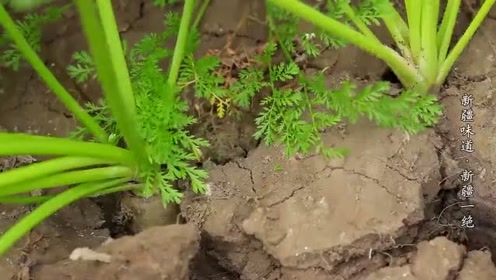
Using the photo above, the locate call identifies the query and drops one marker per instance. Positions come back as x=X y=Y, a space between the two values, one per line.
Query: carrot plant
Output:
x=302 y=105
x=424 y=58
x=141 y=144
x=296 y=115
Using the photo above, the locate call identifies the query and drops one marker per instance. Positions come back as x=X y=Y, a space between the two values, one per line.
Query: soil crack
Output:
x=284 y=199
x=408 y=178
x=240 y=166
x=377 y=182
x=367 y=177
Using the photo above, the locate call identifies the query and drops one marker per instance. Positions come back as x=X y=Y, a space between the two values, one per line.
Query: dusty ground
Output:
x=391 y=210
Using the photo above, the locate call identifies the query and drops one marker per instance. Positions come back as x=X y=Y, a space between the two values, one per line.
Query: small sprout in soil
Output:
x=278 y=168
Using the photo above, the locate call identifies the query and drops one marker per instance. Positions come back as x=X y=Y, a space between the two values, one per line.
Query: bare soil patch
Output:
x=390 y=210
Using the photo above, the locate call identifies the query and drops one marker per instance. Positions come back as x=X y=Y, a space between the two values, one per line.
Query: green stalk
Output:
x=408 y=75
x=105 y=52
x=462 y=43
x=25 y=144
x=200 y=13
x=24 y=199
x=122 y=188
x=399 y=31
x=69 y=178
x=182 y=38
x=118 y=60
x=45 y=168
x=428 y=54
x=400 y=25
x=446 y=29
x=359 y=23
x=414 y=14
x=124 y=97
x=27 y=223
x=48 y=77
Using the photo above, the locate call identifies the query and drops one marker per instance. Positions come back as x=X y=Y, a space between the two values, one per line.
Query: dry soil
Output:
x=390 y=210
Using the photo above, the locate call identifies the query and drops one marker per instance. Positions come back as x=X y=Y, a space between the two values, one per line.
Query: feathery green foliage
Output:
x=169 y=143
x=30 y=27
x=138 y=137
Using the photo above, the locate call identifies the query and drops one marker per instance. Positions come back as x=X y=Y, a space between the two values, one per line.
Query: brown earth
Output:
x=390 y=210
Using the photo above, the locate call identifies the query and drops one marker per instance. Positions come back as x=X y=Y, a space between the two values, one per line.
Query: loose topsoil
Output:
x=389 y=210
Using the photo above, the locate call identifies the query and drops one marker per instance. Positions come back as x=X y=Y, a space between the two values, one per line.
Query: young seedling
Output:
x=424 y=58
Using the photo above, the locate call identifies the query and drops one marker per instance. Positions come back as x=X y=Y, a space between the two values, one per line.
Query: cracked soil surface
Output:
x=389 y=210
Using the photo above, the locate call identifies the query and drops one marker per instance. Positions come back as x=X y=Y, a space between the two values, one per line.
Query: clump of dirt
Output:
x=143 y=213
x=310 y=214
x=156 y=253
x=477 y=265
x=440 y=259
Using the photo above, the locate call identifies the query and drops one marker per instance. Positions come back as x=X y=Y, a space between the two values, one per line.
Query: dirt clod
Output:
x=437 y=259
x=393 y=273
x=156 y=253
x=146 y=213
x=315 y=213
x=441 y=259
x=477 y=266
